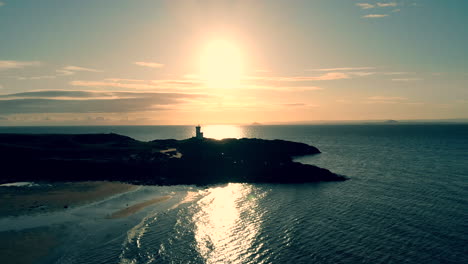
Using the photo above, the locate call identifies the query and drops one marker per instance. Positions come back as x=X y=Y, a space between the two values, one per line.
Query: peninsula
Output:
x=113 y=157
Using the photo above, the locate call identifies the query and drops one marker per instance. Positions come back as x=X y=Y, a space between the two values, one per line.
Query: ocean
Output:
x=406 y=202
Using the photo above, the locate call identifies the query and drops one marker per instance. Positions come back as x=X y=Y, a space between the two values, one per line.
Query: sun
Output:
x=221 y=65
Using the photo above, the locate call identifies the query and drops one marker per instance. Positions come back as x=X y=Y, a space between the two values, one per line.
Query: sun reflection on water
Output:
x=227 y=224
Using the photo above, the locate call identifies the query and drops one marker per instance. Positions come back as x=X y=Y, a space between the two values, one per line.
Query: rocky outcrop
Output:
x=162 y=162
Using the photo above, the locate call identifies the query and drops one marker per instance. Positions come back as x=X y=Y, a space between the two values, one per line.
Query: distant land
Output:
x=114 y=157
x=13 y=123
x=377 y=121
x=391 y=122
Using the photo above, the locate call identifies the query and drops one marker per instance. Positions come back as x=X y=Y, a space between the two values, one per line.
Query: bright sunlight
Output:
x=221 y=65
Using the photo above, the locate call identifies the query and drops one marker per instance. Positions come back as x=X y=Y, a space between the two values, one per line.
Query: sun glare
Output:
x=223 y=131
x=221 y=65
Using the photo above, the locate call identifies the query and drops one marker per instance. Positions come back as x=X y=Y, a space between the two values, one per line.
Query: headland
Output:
x=113 y=157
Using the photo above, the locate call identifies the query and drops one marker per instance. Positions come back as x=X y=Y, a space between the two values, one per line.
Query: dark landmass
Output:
x=113 y=157
x=391 y=122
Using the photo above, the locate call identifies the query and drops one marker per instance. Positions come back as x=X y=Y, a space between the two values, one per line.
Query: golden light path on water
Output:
x=223 y=131
x=227 y=224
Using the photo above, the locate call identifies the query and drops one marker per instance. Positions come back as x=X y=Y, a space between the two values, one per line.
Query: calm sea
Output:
x=406 y=202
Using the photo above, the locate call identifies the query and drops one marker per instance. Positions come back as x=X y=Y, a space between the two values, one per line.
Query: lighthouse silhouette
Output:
x=198 y=133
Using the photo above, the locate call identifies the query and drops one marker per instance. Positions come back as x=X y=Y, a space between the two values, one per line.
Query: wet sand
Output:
x=27 y=246
x=51 y=197
x=137 y=207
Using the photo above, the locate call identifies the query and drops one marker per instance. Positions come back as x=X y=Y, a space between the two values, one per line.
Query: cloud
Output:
x=60 y=101
x=2 y=4
x=77 y=68
x=183 y=82
x=71 y=70
x=387 y=98
x=282 y=88
x=192 y=84
x=100 y=84
x=123 y=80
x=297 y=105
x=375 y=16
x=42 y=77
x=378 y=4
x=324 y=77
x=6 y=65
x=389 y=4
x=140 y=84
x=365 y=5
x=65 y=71
x=398 y=73
x=343 y=69
x=406 y=79
x=149 y=64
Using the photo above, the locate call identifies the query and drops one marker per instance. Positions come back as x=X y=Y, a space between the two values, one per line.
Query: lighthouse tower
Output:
x=198 y=133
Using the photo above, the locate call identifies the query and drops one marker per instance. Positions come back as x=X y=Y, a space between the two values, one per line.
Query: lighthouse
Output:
x=198 y=133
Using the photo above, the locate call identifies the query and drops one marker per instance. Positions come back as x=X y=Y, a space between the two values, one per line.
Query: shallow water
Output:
x=406 y=202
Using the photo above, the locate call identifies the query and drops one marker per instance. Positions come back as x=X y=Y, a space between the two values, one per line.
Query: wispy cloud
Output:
x=149 y=64
x=280 y=88
x=41 y=77
x=182 y=85
x=365 y=5
x=123 y=80
x=378 y=4
x=324 y=77
x=375 y=16
x=298 y=105
x=60 y=101
x=386 y=100
x=122 y=83
x=71 y=70
x=114 y=84
x=398 y=73
x=389 y=4
x=348 y=71
x=9 y=64
x=343 y=69
x=406 y=79
x=2 y=4
x=65 y=71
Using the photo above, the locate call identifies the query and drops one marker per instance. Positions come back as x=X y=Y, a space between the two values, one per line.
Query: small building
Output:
x=198 y=133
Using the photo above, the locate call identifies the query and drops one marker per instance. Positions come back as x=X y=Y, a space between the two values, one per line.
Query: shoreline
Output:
x=50 y=197
x=133 y=209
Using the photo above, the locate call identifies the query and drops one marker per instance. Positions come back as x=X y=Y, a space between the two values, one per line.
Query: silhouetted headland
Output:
x=114 y=157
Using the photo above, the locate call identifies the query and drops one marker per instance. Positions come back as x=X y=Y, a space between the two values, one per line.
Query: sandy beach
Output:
x=51 y=197
x=45 y=198
x=138 y=207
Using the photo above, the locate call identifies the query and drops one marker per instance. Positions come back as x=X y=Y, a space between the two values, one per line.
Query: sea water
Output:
x=406 y=202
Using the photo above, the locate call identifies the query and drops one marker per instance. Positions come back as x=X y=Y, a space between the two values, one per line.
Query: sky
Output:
x=154 y=62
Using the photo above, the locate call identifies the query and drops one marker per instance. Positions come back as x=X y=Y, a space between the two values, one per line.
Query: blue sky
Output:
x=147 y=62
